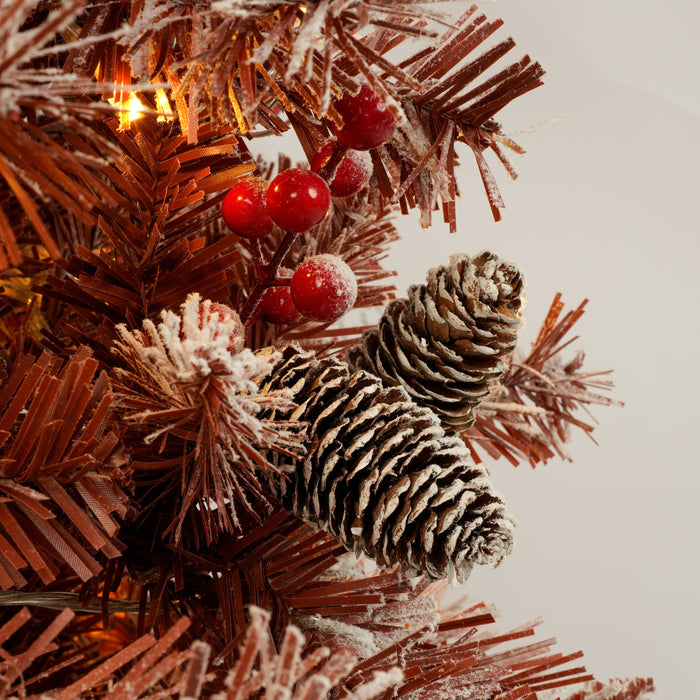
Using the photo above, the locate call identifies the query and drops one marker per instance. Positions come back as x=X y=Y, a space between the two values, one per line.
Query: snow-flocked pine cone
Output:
x=382 y=475
x=444 y=343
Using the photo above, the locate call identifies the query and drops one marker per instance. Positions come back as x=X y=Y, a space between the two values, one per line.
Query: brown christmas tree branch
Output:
x=314 y=52
x=529 y=414
x=365 y=633
x=464 y=653
x=160 y=199
x=258 y=673
x=616 y=689
x=455 y=97
x=187 y=400
x=234 y=61
x=268 y=566
x=61 y=471
x=144 y=665
x=40 y=101
x=416 y=169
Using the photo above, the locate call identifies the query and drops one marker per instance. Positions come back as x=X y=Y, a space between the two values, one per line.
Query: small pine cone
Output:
x=382 y=475
x=445 y=342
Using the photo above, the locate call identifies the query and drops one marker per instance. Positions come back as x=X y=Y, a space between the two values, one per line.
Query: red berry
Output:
x=213 y=312
x=367 y=123
x=323 y=288
x=244 y=211
x=276 y=305
x=351 y=174
x=298 y=199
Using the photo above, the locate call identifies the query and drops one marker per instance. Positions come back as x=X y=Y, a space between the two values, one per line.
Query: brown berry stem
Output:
x=258 y=257
x=328 y=170
x=267 y=274
x=278 y=257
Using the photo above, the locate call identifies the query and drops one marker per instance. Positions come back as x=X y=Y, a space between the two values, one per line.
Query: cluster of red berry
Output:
x=322 y=287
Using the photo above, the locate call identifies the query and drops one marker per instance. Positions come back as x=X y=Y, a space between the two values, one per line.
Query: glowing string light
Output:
x=130 y=109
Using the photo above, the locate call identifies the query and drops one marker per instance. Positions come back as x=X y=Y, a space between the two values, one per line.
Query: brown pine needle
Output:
x=183 y=392
x=528 y=416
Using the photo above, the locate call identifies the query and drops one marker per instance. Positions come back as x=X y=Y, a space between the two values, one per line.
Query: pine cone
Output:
x=382 y=476
x=445 y=342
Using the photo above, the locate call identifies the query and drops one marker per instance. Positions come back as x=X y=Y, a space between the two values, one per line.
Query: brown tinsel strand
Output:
x=382 y=475
x=445 y=342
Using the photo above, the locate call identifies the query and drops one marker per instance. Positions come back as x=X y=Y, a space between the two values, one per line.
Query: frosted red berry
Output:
x=352 y=173
x=277 y=306
x=216 y=313
x=367 y=123
x=323 y=288
x=244 y=209
x=298 y=199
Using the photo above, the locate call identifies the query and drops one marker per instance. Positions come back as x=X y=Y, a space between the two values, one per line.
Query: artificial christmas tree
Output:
x=189 y=445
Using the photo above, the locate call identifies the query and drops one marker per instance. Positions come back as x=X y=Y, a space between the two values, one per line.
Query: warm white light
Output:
x=131 y=108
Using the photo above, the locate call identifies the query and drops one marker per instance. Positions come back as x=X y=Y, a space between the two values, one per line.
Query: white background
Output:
x=606 y=207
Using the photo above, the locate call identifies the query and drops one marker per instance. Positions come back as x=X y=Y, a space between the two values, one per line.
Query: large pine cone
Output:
x=382 y=475
x=445 y=343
